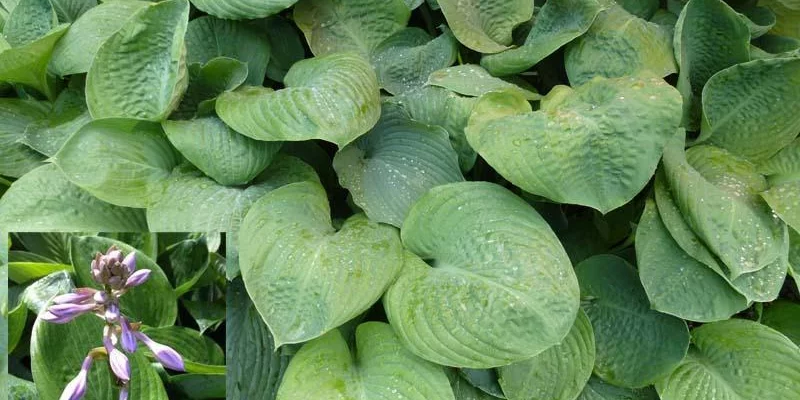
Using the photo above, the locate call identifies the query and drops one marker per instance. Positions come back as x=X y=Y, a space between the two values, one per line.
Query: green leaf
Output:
x=619 y=310
x=483 y=379
x=759 y=20
x=57 y=351
x=404 y=60
x=784 y=317
x=747 y=108
x=206 y=82
x=784 y=164
x=21 y=272
x=472 y=80
x=185 y=263
x=37 y=295
x=787 y=17
x=393 y=165
x=44 y=200
x=69 y=113
x=556 y=24
x=379 y=367
x=17 y=319
x=358 y=26
x=29 y=21
x=597 y=389
x=200 y=386
x=485 y=26
x=620 y=44
x=153 y=303
x=492 y=262
x=52 y=247
x=676 y=283
x=71 y=10
x=242 y=9
x=220 y=152
x=140 y=71
x=122 y=161
x=189 y=343
x=20 y=389
x=729 y=359
x=193 y=202
x=784 y=199
x=305 y=277
x=286 y=44
x=206 y=315
x=794 y=257
x=74 y=53
x=208 y=38
x=721 y=207
x=17 y=159
x=641 y=8
x=333 y=98
x=255 y=367
x=27 y=64
x=703 y=28
x=585 y=153
x=559 y=373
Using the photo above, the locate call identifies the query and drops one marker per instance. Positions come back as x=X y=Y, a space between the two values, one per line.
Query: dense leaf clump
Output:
x=555 y=200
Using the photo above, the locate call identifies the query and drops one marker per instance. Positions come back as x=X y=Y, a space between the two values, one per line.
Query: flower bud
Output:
x=75 y=297
x=168 y=357
x=112 y=313
x=76 y=388
x=123 y=393
x=137 y=278
x=128 y=339
x=68 y=310
x=119 y=362
x=130 y=262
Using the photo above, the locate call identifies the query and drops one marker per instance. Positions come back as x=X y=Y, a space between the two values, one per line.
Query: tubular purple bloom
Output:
x=75 y=298
x=118 y=362
x=123 y=393
x=128 y=339
x=55 y=319
x=112 y=312
x=76 y=388
x=130 y=262
x=100 y=297
x=164 y=354
x=137 y=278
x=70 y=310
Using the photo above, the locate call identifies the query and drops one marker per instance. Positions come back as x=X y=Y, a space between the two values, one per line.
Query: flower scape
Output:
x=425 y=199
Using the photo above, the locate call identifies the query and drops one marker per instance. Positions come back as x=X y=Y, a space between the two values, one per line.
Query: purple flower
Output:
x=164 y=354
x=77 y=297
x=76 y=388
x=50 y=317
x=137 y=278
x=130 y=262
x=118 y=362
x=63 y=313
x=123 y=393
x=112 y=312
x=128 y=339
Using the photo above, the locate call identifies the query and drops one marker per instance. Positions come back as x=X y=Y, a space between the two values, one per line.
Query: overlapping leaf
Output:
x=485 y=26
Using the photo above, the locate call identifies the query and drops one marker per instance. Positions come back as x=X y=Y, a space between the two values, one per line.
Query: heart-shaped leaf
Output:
x=585 y=152
x=556 y=24
x=559 y=373
x=379 y=368
x=728 y=359
x=676 y=283
x=242 y=9
x=153 y=302
x=359 y=26
x=393 y=165
x=121 y=161
x=485 y=26
x=28 y=64
x=44 y=200
x=221 y=153
x=140 y=71
x=620 y=313
x=748 y=108
x=74 y=53
x=305 y=277
x=334 y=98
x=17 y=159
x=498 y=288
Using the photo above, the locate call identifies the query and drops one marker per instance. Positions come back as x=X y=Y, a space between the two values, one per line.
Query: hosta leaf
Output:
x=286 y=44
x=71 y=10
x=255 y=367
x=787 y=17
x=721 y=209
x=463 y=390
x=393 y=165
x=193 y=202
x=357 y=26
x=784 y=317
x=758 y=19
x=597 y=389
x=404 y=60
x=556 y=24
x=57 y=351
x=17 y=159
x=794 y=257
x=206 y=82
x=747 y=108
x=189 y=343
x=559 y=373
x=21 y=272
x=200 y=386
x=641 y=8
x=485 y=26
x=37 y=295
x=21 y=389
x=44 y=199
x=208 y=38
x=437 y=106
x=784 y=199
x=220 y=152
x=28 y=21
x=735 y=359
x=703 y=28
x=786 y=163
x=242 y=9
x=153 y=303
x=676 y=283
x=620 y=44
x=305 y=277
x=334 y=98
x=585 y=153
x=379 y=367
x=775 y=44
x=28 y=64
x=185 y=263
x=620 y=313
x=140 y=71
x=483 y=379
x=74 y=53
x=492 y=260
x=69 y=114
x=472 y=80
x=122 y=161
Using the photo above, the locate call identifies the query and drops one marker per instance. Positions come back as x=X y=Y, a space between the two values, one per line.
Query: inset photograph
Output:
x=111 y=316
